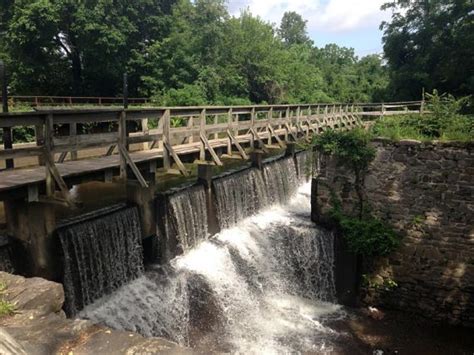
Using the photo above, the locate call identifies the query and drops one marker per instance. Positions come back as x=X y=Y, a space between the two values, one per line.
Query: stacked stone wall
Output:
x=426 y=192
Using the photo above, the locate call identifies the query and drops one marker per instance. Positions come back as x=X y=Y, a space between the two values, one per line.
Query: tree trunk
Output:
x=359 y=180
x=76 y=72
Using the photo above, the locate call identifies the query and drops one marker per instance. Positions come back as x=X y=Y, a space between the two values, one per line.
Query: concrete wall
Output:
x=426 y=192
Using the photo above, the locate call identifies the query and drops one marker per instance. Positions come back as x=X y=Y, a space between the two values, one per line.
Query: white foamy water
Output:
x=264 y=286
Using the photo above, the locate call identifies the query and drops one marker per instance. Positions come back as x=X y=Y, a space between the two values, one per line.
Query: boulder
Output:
x=39 y=326
x=35 y=293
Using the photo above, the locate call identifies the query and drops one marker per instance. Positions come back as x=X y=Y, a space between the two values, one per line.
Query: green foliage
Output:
x=427 y=44
x=293 y=29
x=6 y=307
x=23 y=134
x=350 y=148
x=189 y=95
x=75 y=47
x=442 y=122
x=387 y=284
x=368 y=236
x=182 y=52
x=417 y=220
x=365 y=234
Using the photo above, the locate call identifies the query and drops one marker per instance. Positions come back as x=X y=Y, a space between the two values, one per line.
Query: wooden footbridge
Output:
x=119 y=142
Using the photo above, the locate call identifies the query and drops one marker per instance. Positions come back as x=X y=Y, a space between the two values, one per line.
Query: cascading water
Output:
x=304 y=161
x=185 y=219
x=101 y=253
x=263 y=286
x=238 y=196
x=281 y=180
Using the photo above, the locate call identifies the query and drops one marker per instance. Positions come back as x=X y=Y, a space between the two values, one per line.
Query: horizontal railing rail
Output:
x=182 y=121
x=171 y=130
x=38 y=101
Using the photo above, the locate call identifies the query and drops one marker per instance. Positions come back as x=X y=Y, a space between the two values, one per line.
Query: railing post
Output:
x=202 y=132
x=298 y=112
x=309 y=114
x=122 y=140
x=73 y=132
x=39 y=137
x=7 y=131
x=145 y=132
x=269 y=118
x=125 y=90
x=166 y=140
x=48 y=144
x=252 y=124
x=229 y=127
x=191 y=127
x=216 y=134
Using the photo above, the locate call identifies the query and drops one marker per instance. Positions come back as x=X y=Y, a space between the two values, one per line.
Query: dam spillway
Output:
x=264 y=283
x=100 y=255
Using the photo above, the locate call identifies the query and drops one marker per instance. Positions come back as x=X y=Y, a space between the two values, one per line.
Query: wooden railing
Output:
x=178 y=129
x=39 y=101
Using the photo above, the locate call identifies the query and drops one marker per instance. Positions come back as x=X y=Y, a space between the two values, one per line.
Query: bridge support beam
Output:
x=205 y=173
x=31 y=226
x=290 y=149
x=144 y=198
x=257 y=159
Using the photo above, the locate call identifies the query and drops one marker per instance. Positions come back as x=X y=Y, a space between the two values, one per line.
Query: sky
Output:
x=350 y=23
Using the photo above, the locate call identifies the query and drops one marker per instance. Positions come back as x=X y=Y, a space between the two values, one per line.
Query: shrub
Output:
x=6 y=307
x=365 y=234
x=443 y=121
x=351 y=149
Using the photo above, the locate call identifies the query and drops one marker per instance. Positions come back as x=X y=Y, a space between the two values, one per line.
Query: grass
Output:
x=6 y=307
x=425 y=128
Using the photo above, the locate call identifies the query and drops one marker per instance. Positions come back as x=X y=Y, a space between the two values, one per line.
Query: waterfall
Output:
x=242 y=194
x=101 y=253
x=238 y=196
x=304 y=162
x=280 y=180
x=185 y=219
x=263 y=286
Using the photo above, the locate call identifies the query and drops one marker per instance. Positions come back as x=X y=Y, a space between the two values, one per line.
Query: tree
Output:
x=68 y=46
x=180 y=52
x=293 y=29
x=427 y=44
x=249 y=59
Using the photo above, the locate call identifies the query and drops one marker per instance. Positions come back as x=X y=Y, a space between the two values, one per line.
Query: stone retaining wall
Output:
x=426 y=192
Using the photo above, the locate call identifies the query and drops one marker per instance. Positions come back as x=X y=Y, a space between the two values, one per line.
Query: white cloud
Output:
x=328 y=15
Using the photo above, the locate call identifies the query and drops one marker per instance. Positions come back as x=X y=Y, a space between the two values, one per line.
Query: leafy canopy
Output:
x=179 y=52
x=428 y=44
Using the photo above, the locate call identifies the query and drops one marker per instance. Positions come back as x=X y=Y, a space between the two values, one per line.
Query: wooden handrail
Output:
x=38 y=100
x=197 y=125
